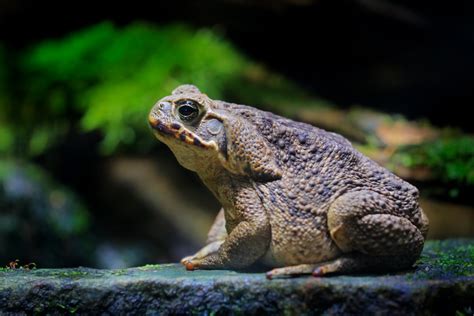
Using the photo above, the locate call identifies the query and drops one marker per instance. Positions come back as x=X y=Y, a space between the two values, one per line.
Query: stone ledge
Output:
x=441 y=283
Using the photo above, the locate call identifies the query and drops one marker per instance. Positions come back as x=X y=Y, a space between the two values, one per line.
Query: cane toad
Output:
x=300 y=195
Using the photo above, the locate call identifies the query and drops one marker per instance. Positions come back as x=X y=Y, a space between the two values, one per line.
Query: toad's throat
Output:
x=177 y=131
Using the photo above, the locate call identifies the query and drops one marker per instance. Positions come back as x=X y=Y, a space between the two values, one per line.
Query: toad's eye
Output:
x=187 y=110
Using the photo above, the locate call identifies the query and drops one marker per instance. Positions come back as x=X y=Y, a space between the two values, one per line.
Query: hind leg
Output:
x=372 y=233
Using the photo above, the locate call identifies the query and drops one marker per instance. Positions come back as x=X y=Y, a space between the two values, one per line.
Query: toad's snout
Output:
x=158 y=112
x=152 y=120
x=157 y=125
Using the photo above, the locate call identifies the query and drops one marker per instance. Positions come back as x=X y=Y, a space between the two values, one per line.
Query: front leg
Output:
x=248 y=240
x=215 y=238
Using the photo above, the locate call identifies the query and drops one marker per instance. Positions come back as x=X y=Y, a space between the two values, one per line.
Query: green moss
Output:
x=439 y=261
x=67 y=309
x=71 y=274
x=119 y=272
x=149 y=267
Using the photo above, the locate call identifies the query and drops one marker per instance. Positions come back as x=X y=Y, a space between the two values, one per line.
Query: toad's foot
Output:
x=347 y=264
x=292 y=271
x=340 y=265
x=190 y=266
x=204 y=252
x=209 y=262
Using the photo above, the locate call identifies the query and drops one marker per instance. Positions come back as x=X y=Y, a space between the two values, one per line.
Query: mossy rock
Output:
x=441 y=283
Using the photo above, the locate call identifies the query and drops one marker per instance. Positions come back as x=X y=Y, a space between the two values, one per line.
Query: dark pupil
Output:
x=186 y=110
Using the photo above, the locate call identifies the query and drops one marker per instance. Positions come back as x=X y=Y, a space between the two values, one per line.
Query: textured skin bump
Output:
x=301 y=197
x=248 y=153
x=185 y=88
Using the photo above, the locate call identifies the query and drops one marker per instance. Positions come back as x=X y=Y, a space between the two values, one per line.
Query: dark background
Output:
x=414 y=58
x=410 y=57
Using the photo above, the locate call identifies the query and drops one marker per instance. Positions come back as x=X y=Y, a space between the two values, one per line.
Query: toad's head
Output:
x=203 y=132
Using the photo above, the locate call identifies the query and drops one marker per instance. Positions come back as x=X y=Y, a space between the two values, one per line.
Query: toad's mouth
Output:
x=177 y=131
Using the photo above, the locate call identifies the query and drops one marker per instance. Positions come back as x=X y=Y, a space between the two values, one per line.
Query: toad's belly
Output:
x=301 y=241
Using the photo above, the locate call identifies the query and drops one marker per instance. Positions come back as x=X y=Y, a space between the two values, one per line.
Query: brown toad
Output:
x=302 y=196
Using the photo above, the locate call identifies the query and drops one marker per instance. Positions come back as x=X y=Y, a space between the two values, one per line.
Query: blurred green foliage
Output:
x=41 y=219
x=60 y=209
x=107 y=78
x=451 y=159
x=6 y=136
x=3 y=75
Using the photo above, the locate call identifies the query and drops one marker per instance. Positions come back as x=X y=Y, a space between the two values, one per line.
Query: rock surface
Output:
x=442 y=283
